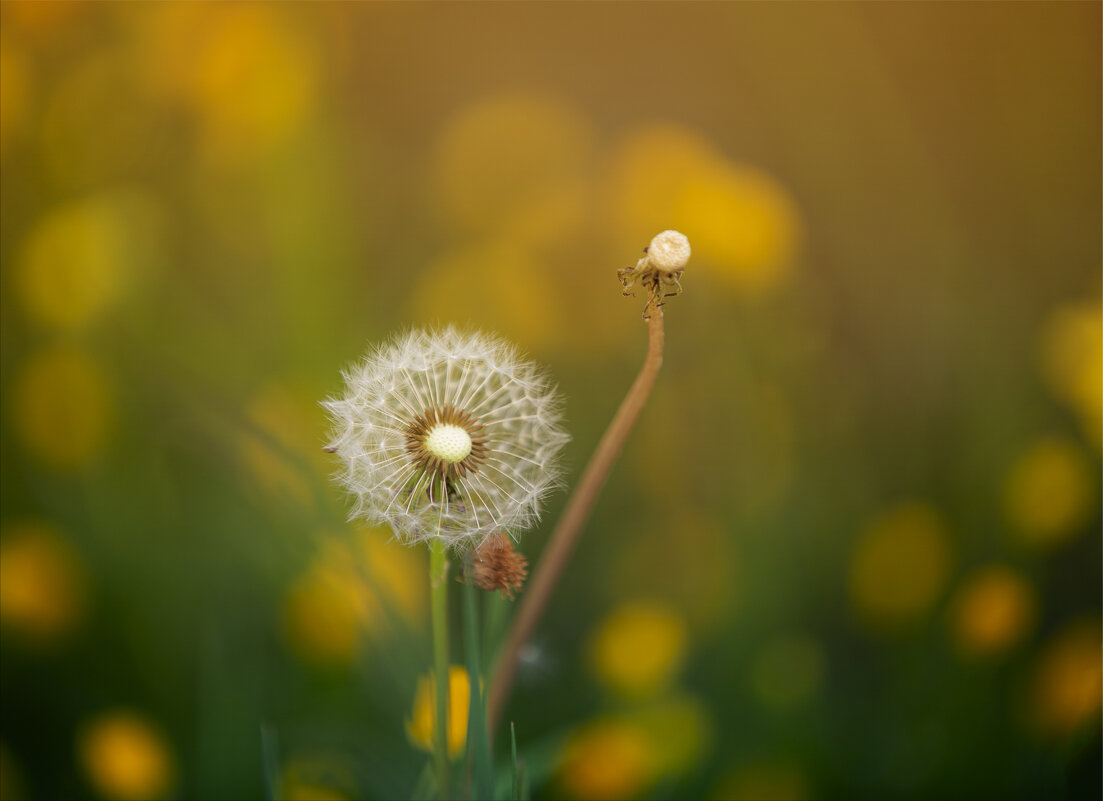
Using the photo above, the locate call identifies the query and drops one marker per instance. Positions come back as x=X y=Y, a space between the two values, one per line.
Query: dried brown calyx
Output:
x=494 y=565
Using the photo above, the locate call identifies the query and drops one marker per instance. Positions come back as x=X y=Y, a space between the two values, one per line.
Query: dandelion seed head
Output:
x=448 y=435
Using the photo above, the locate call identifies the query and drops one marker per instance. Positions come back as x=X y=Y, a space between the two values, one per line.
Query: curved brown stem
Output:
x=574 y=517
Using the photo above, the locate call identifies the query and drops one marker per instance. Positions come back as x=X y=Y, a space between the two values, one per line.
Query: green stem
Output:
x=438 y=589
x=478 y=746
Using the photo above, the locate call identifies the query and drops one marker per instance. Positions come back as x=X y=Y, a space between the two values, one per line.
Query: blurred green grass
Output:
x=851 y=551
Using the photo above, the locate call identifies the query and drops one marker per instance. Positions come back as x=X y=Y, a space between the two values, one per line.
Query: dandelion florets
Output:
x=447 y=435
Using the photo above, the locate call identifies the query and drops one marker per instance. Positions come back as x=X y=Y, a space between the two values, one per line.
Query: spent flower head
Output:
x=660 y=269
x=447 y=435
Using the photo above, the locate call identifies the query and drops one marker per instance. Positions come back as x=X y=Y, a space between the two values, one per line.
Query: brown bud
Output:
x=494 y=565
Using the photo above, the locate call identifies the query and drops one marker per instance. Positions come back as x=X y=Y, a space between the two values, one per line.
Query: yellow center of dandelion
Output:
x=449 y=443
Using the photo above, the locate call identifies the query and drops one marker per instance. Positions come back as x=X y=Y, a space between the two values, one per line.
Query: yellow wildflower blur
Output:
x=40 y=19
x=994 y=609
x=301 y=791
x=504 y=280
x=787 y=670
x=1067 y=689
x=623 y=756
x=330 y=608
x=284 y=452
x=125 y=757
x=14 y=93
x=350 y=591
x=514 y=164
x=704 y=590
x=316 y=778
x=421 y=728
x=61 y=407
x=397 y=574
x=765 y=781
x=1049 y=492
x=80 y=258
x=252 y=76
x=679 y=728
x=1072 y=362
x=744 y=226
x=608 y=759
x=638 y=648
x=900 y=565
x=42 y=582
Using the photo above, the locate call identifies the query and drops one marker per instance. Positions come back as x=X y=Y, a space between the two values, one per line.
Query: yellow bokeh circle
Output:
x=1049 y=492
x=638 y=648
x=743 y=224
x=900 y=565
x=608 y=759
x=125 y=757
x=1072 y=362
x=42 y=582
x=514 y=163
x=1068 y=680
x=61 y=407
x=994 y=609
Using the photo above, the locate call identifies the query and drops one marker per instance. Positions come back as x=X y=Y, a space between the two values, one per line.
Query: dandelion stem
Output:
x=438 y=590
x=577 y=511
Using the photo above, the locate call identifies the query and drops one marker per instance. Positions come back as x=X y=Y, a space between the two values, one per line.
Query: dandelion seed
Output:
x=447 y=435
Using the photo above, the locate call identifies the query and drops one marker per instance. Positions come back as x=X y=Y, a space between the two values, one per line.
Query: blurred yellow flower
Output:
x=504 y=280
x=398 y=573
x=608 y=759
x=994 y=609
x=1049 y=492
x=622 y=756
x=284 y=453
x=1072 y=362
x=900 y=565
x=42 y=582
x=787 y=670
x=766 y=781
x=247 y=70
x=1068 y=679
x=317 y=778
x=638 y=648
x=679 y=729
x=701 y=577
x=420 y=727
x=125 y=757
x=515 y=164
x=79 y=259
x=41 y=19
x=300 y=791
x=330 y=609
x=744 y=225
x=14 y=93
x=61 y=407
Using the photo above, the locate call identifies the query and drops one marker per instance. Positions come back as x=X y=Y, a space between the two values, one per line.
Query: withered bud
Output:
x=659 y=271
x=494 y=565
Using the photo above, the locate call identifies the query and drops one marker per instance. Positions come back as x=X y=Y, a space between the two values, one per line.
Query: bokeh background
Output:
x=853 y=548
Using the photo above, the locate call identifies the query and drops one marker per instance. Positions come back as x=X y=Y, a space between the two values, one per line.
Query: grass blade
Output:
x=513 y=754
x=478 y=743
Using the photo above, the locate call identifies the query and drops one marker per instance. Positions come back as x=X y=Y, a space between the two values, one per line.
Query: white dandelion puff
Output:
x=447 y=435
